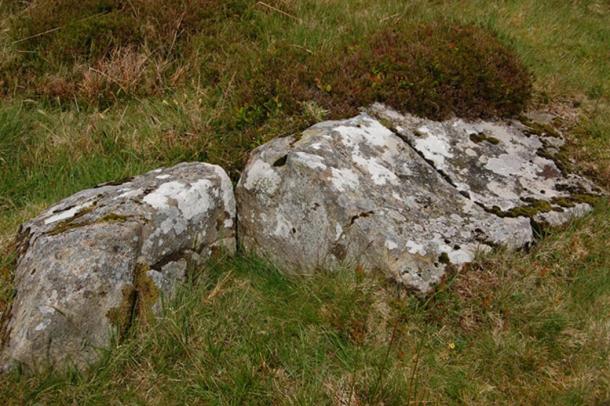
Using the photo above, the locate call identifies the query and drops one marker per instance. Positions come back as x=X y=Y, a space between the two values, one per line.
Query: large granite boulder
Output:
x=354 y=192
x=411 y=202
x=97 y=259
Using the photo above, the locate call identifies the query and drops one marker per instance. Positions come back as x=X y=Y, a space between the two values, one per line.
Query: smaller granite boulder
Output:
x=91 y=263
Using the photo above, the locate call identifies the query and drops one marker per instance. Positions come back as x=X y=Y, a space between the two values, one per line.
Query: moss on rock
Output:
x=138 y=301
x=480 y=137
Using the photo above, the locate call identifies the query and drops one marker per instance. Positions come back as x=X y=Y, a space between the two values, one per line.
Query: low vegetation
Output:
x=527 y=327
x=98 y=90
x=101 y=50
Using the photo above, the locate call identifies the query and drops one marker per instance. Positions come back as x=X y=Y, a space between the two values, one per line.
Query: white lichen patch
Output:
x=364 y=130
x=228 y=198
x=46 y=310
x=506 y=165
x=434 y=147
x=556 y=218
x=68 y=214
x=310 y=160
x=129 y=194
x=338 y=231
x=344 y=179
x=174 y=223
x=262 y=177
x=191 y=199
x=316 y=146
x=282 y=226
x=415 y=248
x=461 y=256
x=391 y=245
x=160 y=198
x=378 y=172
x=495 y=164
x=42 y=325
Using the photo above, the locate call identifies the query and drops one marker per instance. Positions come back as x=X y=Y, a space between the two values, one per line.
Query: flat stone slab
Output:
x=501 y=166
x=354 y=192
x=91 y=263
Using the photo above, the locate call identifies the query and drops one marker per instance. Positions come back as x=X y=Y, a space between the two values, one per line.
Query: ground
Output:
x=531 y=327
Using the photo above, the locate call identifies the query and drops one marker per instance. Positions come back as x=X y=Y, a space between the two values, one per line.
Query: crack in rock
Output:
x=504 y=167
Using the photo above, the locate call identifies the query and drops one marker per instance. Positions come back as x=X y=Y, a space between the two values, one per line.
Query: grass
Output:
x=528 y=327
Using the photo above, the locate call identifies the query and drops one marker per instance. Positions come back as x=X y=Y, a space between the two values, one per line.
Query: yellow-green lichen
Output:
x=113 y=218
x=72 y=223
x=122 y=316
x=575 y=199
x=535 y=207
x=147 y=292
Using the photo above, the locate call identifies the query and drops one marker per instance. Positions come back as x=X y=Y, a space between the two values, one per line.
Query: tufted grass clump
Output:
x=514 y=328
x=100 y=51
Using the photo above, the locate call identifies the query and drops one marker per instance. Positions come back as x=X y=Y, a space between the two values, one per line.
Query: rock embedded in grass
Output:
x=90 y=264
x=412 y=202
x=354 y=192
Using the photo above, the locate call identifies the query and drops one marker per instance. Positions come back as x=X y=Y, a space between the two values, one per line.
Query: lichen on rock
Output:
x=507 y=168
x=402 y=195
x=353 y=191
x=90 y=264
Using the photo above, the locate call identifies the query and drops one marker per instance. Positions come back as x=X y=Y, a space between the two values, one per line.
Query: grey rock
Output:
x=501 y=166
x=89 y=264
x=354 y=192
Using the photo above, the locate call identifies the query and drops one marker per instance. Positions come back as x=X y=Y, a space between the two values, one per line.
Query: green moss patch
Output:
x=529 y=210
x=539 y=129
x=72 y=223
x=534 y=207
x=480 y=137
x=122 y=316
x=147 y=292
x=138 y=300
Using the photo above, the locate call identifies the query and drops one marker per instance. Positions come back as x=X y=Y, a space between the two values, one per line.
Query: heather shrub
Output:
x=435 y=70
x=440 y=69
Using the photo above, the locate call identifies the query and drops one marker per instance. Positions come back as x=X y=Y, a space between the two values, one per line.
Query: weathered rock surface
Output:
x=503 y=167
x=409 y=203
x=95 y=260
x=353 y=191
